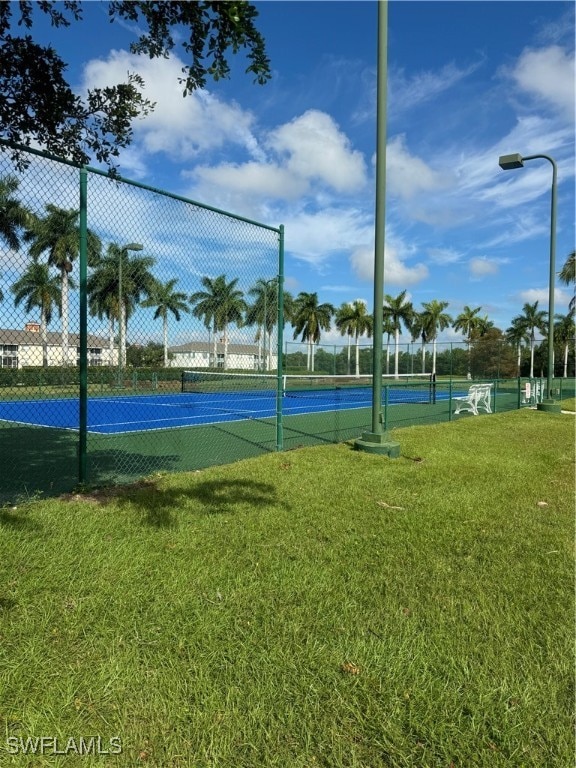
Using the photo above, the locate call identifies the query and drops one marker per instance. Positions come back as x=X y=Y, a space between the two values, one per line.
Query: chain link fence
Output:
x=142 y=333
x=110 y=289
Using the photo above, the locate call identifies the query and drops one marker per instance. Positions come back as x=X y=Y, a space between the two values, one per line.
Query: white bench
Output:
x=479 y=396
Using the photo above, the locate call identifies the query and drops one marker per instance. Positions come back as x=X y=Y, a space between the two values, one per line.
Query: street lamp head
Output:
x=133 y=247
x=509 y=162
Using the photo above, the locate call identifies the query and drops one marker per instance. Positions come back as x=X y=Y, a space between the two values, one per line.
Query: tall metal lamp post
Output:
x=121 y=308
x=511 y=162
x=377 y=440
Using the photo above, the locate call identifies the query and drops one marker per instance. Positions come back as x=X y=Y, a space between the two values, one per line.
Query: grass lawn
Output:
x=315 y=608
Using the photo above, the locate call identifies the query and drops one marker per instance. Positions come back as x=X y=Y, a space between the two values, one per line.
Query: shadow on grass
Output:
x=160 y=507
x=17 y=520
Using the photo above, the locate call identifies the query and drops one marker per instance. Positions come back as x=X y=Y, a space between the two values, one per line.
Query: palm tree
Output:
x=434 y=320
x=38 y=288
x=309 y=319
x=58 y=234
x=483 y=325
x=103 y=289
x=114 y=290
x=138 y=284
x=564 y=333
x=263 y=312
x=14 y=217
x=219 y=305
x=516 y=334
x=356 y=321
x=467 y=322
x=532 y=320
x=567 y=276
x=418 y=333
x=166 y=299
x=400 y=313
x=342 y=323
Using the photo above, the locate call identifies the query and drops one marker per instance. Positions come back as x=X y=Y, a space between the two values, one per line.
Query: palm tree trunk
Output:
x=565 y=374
x=357 y=356
x=532 y=357
x=387 y=354
x=396 y=351
x=64 y=275
x=165 y=334
x=122 y=332
x=312 y=354
x=349 y=343
x=44 y=337
x=423 y=356
x=308 y=354
x=434 y=356
x=269 y=352
x=111 y=339
x=519 y=361
x=225 y=346
x=260 y=358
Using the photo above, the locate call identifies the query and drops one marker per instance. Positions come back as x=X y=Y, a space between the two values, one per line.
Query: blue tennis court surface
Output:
x=136 y=413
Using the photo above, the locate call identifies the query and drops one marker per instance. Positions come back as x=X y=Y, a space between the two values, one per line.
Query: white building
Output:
x=20 y=349
x=200 y=354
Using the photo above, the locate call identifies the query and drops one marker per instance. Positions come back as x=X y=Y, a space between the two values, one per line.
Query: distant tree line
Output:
x=122 y=279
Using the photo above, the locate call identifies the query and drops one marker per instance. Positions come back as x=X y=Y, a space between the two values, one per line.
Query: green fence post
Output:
x=280 y=342
x=83 y=392
x=386 y=388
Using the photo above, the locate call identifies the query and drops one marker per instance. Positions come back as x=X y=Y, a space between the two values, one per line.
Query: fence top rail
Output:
x=5 y=144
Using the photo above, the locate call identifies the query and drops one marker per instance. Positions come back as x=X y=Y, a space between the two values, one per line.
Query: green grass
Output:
x=319 y=607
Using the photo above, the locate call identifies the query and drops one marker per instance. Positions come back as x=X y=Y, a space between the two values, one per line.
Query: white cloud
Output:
x=548 y=74
x=561 y=298
x=408 y=175
x=315 y=148
x=480 y=267
x=321 y=237
x=254 y=180
x=181 y=127
x=444 y=256
x=406 y=93
x=396 y=271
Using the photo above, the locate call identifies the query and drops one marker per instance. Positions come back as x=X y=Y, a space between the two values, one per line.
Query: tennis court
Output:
x=120 y=414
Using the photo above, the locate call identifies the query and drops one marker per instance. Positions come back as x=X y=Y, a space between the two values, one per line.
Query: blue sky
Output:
x=468 y=81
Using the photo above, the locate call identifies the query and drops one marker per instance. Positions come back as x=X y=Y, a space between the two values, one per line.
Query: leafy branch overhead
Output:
x=37 y=104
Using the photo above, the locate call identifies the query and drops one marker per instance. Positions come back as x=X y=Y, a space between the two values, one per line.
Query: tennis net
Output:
x=412 y=387
x=211 y=382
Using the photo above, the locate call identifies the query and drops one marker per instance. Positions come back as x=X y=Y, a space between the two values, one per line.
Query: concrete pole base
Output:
x=548 y=405
x=377 y=442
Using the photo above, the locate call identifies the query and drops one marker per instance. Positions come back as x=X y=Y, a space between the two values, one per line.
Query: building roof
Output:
x=34 y=338
x=203 y=346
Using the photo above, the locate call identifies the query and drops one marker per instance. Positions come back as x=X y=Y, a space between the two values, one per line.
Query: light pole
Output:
x=378 y=440
x=507 y=163
x=121 y=307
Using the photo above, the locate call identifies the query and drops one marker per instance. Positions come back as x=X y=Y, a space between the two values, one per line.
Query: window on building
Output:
x=94 y=355
x=9 y=355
